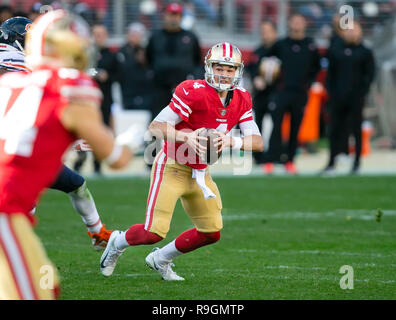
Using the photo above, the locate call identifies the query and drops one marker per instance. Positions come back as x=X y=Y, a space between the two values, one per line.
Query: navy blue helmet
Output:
x=13 y=31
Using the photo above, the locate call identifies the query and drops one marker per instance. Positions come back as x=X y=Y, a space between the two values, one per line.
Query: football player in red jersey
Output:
x=218 y=103
x=41 y=114
x=12 y=58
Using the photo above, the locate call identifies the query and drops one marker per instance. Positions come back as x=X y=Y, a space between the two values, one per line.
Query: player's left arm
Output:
x=251 y=140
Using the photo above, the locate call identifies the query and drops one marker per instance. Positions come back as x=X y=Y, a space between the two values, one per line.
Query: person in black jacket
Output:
x=135 y=76
x=300 y=63
x=173 y=54
x=350 y=74
x=262 y=78
x=106 y=69
x=336 y=41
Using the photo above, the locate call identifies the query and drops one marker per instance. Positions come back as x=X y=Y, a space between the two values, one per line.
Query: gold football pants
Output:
x=169 y=182
x=26 y=273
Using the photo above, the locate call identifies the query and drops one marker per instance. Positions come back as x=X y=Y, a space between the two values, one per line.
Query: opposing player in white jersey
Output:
x=12 y=58
x=12 y=38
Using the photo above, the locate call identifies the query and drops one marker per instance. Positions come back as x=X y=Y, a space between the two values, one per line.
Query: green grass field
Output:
x=283 y=238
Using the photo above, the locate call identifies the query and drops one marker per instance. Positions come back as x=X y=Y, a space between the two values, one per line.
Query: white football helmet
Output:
x=225 y=54
x=59 y=38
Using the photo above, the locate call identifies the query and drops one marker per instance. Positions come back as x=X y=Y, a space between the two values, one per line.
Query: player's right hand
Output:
x=196 y=142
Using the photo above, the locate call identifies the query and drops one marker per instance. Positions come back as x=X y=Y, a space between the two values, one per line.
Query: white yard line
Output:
x=359 y=214
x=135 y=275
x=288 y=277
x=338 y=253
x=317 y=252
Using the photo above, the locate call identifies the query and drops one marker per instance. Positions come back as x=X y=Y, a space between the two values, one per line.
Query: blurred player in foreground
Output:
x=41 y=114
x=218 y=103
x=12 y=58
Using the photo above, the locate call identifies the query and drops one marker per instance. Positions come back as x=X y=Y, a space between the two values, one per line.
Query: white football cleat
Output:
x=109 y=257
x=164 y=268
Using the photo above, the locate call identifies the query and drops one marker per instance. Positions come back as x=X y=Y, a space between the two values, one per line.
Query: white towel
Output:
x=199 y=176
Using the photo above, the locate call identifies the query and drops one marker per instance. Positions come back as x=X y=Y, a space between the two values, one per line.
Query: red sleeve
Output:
x=182 y=101
x=247 y=113
x=75 y=85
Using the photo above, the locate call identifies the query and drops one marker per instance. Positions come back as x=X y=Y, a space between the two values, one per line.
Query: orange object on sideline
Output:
x=309 y=129
x=367 y=132
x=286 y=126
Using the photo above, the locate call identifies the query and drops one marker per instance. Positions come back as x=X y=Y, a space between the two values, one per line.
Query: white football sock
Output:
x=120 y=241
x=169 y=251
x=84 y=204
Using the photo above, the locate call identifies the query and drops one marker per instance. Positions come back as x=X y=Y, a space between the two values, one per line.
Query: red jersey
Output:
x=32 y=137
x=199 y=106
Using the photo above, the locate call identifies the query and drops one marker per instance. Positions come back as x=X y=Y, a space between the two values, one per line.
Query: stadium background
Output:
x=238 y=22
x=283 y=238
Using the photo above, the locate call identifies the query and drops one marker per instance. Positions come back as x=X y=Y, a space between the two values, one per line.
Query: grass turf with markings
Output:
x=283 y=238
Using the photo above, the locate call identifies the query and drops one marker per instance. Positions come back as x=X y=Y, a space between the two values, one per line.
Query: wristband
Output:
x=237 y=143
x=115 y=155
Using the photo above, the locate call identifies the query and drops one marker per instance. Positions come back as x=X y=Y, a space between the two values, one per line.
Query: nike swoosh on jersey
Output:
x=186 y=92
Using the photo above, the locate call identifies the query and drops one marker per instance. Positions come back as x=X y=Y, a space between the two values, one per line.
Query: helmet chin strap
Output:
x=19 y=46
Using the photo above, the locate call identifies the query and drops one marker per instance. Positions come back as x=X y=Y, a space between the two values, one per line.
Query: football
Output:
x=212 y=153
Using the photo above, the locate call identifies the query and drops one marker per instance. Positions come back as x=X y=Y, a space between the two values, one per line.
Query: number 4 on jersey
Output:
x=18 y=112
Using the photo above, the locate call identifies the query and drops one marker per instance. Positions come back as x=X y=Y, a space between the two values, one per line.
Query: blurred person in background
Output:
x=135 y=76
x=206 y=8
x=174 y=55
x=350 y=74
x=336 y=41
x=106 y=72
x=300 y=63
x=34 y=11
x=336 y=35
x=263 y=74
x=93 y=11
x=6 y=13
